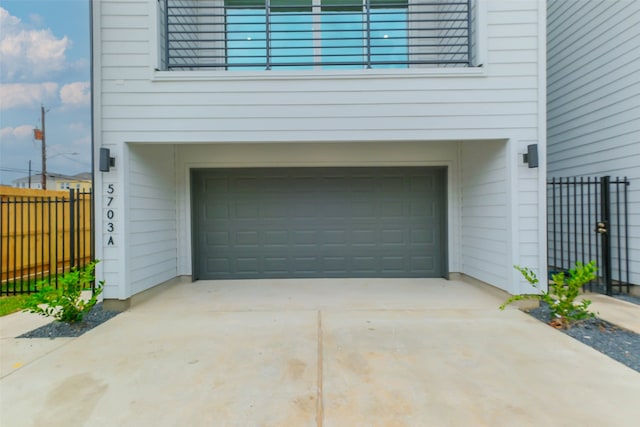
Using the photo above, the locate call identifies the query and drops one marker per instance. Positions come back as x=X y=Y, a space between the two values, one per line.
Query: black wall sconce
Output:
x=531 y=156
x=106 y=161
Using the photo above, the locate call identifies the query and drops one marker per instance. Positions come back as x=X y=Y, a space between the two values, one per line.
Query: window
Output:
x=353 y=36
x=308 y=33
x=315 y=34
x=288 y=37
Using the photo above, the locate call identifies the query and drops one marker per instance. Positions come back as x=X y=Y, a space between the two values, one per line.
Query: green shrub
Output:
x=65 y=303
x=562 y=294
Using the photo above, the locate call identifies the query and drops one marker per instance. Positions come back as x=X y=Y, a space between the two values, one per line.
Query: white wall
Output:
x=500 y=222
x=594 y=97
x=306 y=113
x=143 y=105
x=152 y=209
x=485 y=218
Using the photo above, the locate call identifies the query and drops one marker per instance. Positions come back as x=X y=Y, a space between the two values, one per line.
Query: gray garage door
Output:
x=319 y=222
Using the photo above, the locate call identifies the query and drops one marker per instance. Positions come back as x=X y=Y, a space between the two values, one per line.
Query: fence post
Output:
x=72 y=228
x=603 y=230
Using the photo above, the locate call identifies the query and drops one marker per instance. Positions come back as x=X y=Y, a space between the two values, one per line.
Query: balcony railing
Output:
x=315 y=34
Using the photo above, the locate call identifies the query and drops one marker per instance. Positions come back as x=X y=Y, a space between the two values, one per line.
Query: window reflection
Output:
x=300 y=34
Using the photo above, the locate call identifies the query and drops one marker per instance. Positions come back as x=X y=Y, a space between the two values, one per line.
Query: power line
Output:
x=17 y=170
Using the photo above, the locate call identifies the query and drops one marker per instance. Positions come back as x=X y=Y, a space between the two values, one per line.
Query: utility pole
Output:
x=29 y=174
x=44 y=152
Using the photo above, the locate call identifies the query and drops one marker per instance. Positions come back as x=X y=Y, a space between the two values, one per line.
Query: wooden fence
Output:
x=43 y=234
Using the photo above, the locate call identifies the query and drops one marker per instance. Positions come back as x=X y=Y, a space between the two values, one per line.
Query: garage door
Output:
x=319 y=222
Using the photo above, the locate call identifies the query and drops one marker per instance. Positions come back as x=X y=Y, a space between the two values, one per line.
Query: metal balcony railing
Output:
x=315 y=34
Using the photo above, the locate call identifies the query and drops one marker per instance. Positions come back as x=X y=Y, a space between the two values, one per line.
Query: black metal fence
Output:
x=43 y=237
x=308 y=34
x=587 y=220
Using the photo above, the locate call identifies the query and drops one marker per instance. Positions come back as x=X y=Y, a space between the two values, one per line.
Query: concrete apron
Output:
x=321 y=352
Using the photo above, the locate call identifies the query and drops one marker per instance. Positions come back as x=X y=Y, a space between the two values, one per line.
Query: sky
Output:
x=44 y=60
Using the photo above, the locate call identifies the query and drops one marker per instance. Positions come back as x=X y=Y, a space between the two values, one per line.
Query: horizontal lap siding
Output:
x=275 y=104
x=484 y=215
x=151 y=206
x=594 y=97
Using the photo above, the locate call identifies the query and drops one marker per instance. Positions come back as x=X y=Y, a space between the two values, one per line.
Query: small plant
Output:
x=562 y=294
x=65 y=303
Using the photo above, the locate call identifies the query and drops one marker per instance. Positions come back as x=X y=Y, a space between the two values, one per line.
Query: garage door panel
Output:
x=393 y=264
x=308 y=265
x=301 y=184
x=246 y=184
x=245 y=210
x=364 y=264
x=391 y=237
x=248 y=265
x=218 y=238
x=363 y=209
x=304 y=209
x=334 y=237
x=392 y=209
x=220 y=265
x=422 y=183
x=423 y=236
x=247 y=238
x=334 y=210
x=363 y=237
x=214 y=210
x=423 y=264
x=276 y=184
x=276 y=238
x=276 y=210
x=365 y=184
x=216 y=185
x=319 y=222
x=332 y=184
x=422 y=208
x=304 y=238
x=275 y=265
x=392 y=185
x=335 y=264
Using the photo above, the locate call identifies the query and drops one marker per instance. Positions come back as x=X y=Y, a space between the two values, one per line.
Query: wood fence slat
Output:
x=36 y=233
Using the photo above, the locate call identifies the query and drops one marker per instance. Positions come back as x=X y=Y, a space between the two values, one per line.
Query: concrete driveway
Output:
x=321 y=353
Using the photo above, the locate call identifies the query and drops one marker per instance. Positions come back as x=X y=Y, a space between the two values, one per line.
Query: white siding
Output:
x=594 y=97
x=485 y=219
x=308 y=117
x=322 y=106
x=151 y=208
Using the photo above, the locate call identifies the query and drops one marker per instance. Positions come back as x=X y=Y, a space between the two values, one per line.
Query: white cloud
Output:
x=20 y=132
x=15 y=95
x=36 y=19
x=75 y=94
x=26 y=53
x=7 y=21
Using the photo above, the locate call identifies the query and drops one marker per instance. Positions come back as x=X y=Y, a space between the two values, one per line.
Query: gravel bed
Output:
x=55 y=329
x=617 y=343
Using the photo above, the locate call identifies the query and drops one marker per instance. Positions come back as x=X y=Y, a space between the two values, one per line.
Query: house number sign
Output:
x=110 y=214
